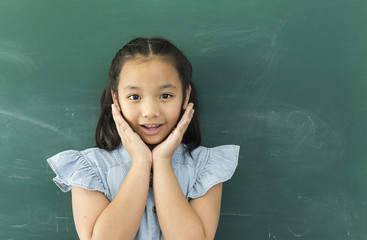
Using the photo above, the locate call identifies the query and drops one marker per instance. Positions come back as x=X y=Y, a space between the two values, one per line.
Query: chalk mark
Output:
x=19 y=226
x=63 y=219
x=14 y=54
x=29 y=120
x=236 y=214
x=295 y=234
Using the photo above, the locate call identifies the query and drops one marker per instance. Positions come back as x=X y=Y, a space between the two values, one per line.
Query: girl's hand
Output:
x=164 y=151
x=138 y=150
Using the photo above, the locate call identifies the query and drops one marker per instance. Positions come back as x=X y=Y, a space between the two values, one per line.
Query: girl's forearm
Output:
x=176 y=217
x=121 y=218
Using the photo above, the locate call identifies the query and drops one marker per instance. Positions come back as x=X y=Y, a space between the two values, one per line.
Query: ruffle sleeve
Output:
x=73 y=169
x=218 y=166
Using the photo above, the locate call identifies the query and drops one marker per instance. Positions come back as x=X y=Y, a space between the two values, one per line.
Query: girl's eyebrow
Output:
x=168 y=85
x=164 y=86
x=127 y=88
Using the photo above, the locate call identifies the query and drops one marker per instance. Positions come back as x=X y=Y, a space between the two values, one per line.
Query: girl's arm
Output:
x=179 y=219
x=97 y=218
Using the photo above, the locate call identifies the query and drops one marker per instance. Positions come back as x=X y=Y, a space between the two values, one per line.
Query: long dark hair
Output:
x=107 y=136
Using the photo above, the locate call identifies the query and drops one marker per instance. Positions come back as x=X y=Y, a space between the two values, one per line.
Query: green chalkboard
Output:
x=284 y=79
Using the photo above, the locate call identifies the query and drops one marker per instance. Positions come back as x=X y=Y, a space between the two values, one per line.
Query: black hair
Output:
x=106 y=135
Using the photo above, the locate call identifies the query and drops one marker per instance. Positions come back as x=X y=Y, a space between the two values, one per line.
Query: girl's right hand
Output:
x=138 y=150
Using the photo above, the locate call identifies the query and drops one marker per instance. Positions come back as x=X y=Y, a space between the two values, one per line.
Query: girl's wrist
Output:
x=141 y=164
x=161 y=162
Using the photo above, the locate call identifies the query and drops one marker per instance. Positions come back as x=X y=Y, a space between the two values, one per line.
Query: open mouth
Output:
x=151 y=129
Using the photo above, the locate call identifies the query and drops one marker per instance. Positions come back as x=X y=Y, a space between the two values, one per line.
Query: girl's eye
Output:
x=166 y=96
x=134 y=97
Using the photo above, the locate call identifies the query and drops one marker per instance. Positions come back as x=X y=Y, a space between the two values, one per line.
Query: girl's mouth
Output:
x=151 y=129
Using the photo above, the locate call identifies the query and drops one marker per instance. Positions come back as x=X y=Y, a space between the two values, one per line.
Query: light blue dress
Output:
x=104 y=171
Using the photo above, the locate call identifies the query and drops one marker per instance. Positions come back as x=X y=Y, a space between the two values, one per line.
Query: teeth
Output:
x=151 y=126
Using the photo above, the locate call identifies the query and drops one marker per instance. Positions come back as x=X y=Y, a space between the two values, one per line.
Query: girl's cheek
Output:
x=130 y=121
x=174 y=115
x=127 y=114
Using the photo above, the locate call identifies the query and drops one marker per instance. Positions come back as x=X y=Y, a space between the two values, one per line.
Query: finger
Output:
x=116 y=114
x=119 y=119
x=118 y=124
x=186 y=118
x=189 y=109
x=125 y=131
x=184 y=122
x=182 y=126
x=177 y=134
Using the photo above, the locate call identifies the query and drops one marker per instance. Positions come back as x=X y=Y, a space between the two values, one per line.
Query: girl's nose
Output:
x=150 y=109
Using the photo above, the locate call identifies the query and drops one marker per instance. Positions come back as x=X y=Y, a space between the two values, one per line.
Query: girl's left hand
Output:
x=164 y=151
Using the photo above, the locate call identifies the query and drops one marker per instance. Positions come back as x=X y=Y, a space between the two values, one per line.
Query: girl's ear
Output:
x=114 y=99
x=188 y=91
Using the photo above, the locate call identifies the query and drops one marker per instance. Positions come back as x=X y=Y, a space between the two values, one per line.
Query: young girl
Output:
x=148 y=177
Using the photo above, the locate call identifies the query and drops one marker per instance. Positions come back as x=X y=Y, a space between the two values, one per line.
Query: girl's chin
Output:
x=153 y=143
x=152 y=146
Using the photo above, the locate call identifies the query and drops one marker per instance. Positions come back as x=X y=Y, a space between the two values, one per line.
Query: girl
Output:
x=148 y=177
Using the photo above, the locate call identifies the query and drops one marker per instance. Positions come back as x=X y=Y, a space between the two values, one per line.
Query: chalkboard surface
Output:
x=284 y=79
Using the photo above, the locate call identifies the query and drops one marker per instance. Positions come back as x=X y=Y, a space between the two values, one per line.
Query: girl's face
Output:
x=150 y=97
